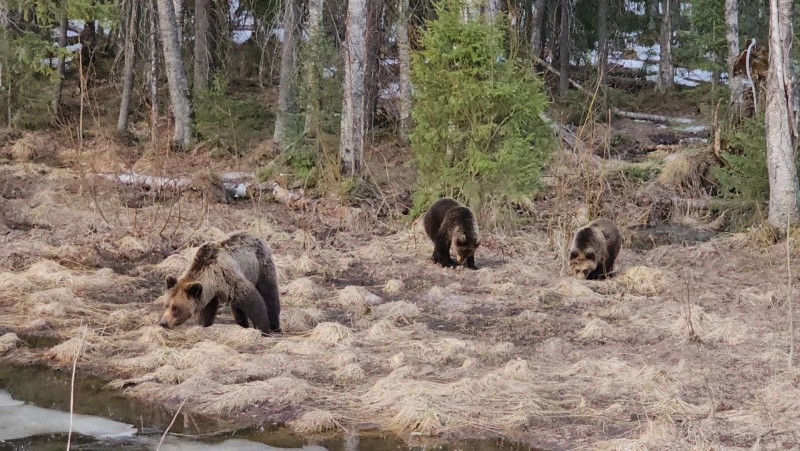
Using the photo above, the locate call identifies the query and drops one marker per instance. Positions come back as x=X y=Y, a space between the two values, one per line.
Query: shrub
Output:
x=478 y=134
x=745 y=173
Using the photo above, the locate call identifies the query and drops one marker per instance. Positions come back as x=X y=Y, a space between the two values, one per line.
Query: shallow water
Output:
x=34 y=415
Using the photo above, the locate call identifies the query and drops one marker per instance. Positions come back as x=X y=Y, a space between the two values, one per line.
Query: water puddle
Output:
x=34 y=415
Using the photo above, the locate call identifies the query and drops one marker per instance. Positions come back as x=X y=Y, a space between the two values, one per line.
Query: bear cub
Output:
x=594 y=248
x=450 y=224
x=237 y=270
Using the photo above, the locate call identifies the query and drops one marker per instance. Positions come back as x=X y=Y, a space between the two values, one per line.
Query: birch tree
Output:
x=665 y=79
x=537 y=23
x=127 y=78
x=152 y=64
x=780 y=124
x=182 y=136
x=404 y=57
x=5 y=87
x=202 y=52
x=286 y=96
x=563 y=47
x=732 y=36
x=351 y=145
x=602 y=40
x=61 y=66
x=313 y=67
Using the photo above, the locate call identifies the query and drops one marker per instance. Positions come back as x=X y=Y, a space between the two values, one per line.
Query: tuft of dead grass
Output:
x=297 y=320
x=686 y=172
x=315 y=421
x=81 y=344
x=393 y=286
x=8 y=342
x=642 y=280
x=301 y=289
x=350 y=373
x=399 y=312
x=277 y=391
x=131 y=247
x=306 y=265
x=331 y=333
x=231 y=335
x=597 y=329
x=358 y=300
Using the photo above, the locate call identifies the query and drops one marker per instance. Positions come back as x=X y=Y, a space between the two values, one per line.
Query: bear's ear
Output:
x=194 y=290
x=170 y=280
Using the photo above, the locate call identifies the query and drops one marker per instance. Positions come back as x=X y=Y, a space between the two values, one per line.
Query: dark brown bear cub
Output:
x=237 y=270
x=594 y=249
x=448 y=223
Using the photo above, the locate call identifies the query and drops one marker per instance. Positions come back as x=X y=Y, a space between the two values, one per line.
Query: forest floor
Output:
x=685 y=348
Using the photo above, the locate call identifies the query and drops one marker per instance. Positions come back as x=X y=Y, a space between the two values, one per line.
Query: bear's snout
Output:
x=164 y=323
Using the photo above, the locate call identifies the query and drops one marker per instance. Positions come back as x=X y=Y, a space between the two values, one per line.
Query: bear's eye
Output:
x=174 y=309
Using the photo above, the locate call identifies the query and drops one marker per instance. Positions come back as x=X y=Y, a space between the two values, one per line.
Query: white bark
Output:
x=152 y=73
x=313 y=67
x=5 y=87
x=178 y=8
x=563 y=47
x=537 y=22
x=351 y=147
x=127 y=80
x=404 y=56
x=781 y=132
x=666 y=72
x=61 y=67
x=286 y=100
x=182 y=136
x=732 y=34
x=602 y=40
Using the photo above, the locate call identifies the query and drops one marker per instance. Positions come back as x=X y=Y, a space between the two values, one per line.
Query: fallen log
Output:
x=238 y=185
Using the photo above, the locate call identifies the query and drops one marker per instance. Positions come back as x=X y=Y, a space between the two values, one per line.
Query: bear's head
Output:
x=181 y=299
x=464 y=247
x=582 y=262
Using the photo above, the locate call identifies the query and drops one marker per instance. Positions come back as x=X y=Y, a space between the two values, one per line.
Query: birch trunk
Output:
x=351 y=147
x=563 y=48
x=152 y=73
x=732 y=35
x=286 y=96
x=178 y=7
x=780 y=128
x=5 y=86
x=372 y=69
x=127 y=79
x=652 y=12
x=313 y=68
x=182 y=136
x=202 y=53
x=602 y=40
x=404 y=57
x=61 y=67
x=665 y=79
x=537 y=21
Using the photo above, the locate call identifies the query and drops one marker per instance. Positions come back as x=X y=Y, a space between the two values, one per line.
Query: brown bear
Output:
x=448 y=223
x=594 y=249
x=237 y=270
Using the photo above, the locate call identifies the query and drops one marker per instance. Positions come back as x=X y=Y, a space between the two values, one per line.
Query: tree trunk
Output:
x=602 y=40
x=202 y=50
x=652 y=12
x=351 y=147
x=127 y=79
x=372 y=68
x=780 y=124
x=152 y=74
x=88 y=39
x=732 y=34
x=563 y=48
x=286 y=95
x=178 y=7
x=665 y=79
x=313 y=67
x=61 y=68
x=404 y=57
x=182 y=136
x=537 y=19
x=5 y=85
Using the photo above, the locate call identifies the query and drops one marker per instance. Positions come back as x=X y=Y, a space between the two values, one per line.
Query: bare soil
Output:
x=685 y=348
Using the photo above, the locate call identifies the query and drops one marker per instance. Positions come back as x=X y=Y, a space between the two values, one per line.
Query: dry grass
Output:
x=399 y=312
x=315 y=421
x=300 y=290
x=642 y=280
x=393 y=286
x=8 y=341
x=331 y=333
x=83 y=343
x=297 y=320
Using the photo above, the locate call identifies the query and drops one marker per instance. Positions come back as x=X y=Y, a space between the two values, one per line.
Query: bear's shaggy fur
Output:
x=594 y=249
x=448 y=223
x=237 y=270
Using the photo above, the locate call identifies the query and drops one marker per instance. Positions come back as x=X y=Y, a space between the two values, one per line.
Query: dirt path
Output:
x=685 y=348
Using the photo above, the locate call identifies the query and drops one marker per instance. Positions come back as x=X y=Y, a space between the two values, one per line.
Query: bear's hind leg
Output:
x=240 y=317
x=208 y=313
x=249 y=301
x=268 y=289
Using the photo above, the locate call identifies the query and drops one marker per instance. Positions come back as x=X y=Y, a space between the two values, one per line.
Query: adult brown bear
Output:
x=594 y=249
x=450 y=224
x=237 y=270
